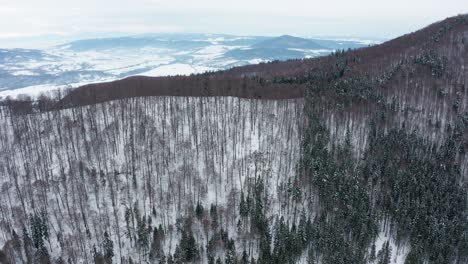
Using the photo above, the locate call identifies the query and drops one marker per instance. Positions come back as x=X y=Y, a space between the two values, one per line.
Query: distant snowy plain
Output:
x=73 y=64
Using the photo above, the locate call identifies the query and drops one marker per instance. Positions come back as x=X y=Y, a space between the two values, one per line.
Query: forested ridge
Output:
x=356 y=157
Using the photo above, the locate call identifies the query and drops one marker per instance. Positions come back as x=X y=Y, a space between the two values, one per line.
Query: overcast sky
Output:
x=62 y=19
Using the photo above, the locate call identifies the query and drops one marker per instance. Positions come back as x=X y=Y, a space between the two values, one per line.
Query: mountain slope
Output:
x=288 y=42
x=356 y=157
x=280 y=48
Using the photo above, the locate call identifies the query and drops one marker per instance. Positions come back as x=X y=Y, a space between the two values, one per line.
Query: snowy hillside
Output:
x=96 y=60
x=147 y=159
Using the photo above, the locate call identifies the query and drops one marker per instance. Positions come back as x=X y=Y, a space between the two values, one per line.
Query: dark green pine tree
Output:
x=155 y=248
x=161 y=233
x=302 y=231
x=199 y=210
x=413 y=257
x=42 y=256
x=214 y=216
x=261 y=224
x=44 y=226
x=162 y=258
x=231 y=257
x=309 y=231
x=188 y=246
x=36 y=231
x=265 y=248
x=245 y=257
x=143 y=234
x=294 y=244
x=108 y=246
x=252 y=260
x=177 y=255
x=372 y=253
x=385 y=254
x=257 y=214
x=170 y=260
x=311 y=256
x=243 y=207
x=28 y=245
x=16 y=242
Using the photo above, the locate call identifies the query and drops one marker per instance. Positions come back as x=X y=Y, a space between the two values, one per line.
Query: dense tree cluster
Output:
x=403 y=181
x=410 y=184
x=434 y=61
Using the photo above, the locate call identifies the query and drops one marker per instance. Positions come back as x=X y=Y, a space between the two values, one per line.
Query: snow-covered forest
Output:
x=136 y=168
x=357 y=157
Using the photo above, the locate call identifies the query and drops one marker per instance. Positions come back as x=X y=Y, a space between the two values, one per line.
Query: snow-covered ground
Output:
x=97 y=60
x=176 y=69
x=66 y=68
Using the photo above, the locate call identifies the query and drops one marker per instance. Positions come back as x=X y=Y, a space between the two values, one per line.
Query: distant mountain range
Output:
x=32 y=71
x=289 y=42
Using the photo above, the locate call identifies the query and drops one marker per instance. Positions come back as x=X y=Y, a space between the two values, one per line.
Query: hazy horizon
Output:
x=48 y=22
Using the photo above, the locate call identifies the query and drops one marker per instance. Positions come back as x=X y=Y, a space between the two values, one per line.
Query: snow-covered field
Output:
x=96 y=60
x=176 y=69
